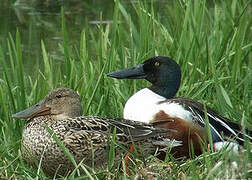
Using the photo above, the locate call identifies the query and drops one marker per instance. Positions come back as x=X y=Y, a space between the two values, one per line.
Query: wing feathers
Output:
x=218 y=124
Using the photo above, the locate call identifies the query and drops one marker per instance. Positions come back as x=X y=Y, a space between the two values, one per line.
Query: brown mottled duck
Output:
x=60 y=111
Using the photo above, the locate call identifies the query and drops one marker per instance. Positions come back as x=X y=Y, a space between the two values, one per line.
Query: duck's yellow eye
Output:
x=156 y=64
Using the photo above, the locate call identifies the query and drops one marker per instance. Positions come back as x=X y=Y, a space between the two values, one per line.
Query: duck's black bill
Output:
x=37 y=110
x=136 y=72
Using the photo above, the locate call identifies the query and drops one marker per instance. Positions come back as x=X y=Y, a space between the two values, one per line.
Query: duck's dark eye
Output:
x=58 y=96
x=157 y=64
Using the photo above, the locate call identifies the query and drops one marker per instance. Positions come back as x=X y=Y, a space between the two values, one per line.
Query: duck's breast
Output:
x=144 y=106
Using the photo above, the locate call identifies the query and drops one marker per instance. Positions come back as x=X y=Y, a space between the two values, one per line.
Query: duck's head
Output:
x=163 y=72
x=60 y=103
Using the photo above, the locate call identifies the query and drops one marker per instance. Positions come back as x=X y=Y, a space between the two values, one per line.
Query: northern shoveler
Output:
x=84 y=137
x=158 y=103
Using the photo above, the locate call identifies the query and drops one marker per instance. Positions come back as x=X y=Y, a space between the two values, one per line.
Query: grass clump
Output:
x=212 y=42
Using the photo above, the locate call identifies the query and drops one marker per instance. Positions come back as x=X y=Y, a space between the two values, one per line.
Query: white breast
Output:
x=145 y=104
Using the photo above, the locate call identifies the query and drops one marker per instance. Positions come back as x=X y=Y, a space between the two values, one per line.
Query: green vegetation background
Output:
x=213 y=46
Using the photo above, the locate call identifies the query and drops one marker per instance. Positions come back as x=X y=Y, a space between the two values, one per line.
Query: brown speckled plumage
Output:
x=60 y=111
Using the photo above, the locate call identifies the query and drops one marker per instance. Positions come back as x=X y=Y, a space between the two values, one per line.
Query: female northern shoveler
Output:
x=61 y=112
x=157 y=103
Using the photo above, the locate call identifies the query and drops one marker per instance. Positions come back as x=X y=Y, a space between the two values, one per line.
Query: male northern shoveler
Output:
x=84 y=137
x=157 y=103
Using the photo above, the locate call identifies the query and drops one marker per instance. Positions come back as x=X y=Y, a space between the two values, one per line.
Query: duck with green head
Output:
x=158 y=102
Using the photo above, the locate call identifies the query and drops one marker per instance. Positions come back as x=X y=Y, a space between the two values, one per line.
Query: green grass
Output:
x=211 y=42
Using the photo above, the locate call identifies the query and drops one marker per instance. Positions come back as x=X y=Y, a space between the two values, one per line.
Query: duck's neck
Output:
x=47 y=119
x=164 y=91
x=38 y=120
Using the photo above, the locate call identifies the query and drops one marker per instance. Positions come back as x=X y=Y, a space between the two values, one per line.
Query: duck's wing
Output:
x=219 y=125
x=136 y=129
x=126 y=130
